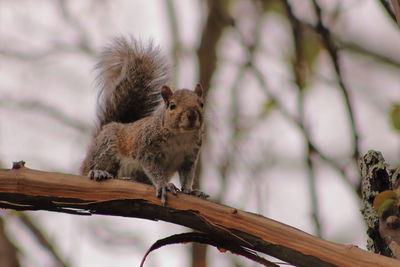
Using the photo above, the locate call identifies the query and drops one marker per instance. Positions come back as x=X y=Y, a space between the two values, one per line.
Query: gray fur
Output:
x=131 y=74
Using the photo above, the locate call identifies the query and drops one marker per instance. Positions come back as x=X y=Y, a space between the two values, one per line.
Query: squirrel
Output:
x=146 y=132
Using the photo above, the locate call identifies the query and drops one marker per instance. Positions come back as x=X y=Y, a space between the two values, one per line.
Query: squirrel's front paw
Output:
x=99 y=175
x=161 y=191
x=196 y=192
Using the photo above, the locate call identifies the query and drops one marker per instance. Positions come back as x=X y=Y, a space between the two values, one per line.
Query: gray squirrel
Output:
x=147 y=132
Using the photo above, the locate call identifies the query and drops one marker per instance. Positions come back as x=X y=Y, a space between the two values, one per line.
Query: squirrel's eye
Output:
x=201 y=105
x=172 y=106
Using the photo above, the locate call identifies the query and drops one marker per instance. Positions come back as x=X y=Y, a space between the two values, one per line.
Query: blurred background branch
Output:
x=396 y=7
x=41 y=238
x=176 y=41
x=8 y=251
x=332 y=49
x=299 y=72
x=47 y=110
x=386 y=5
x=83 y=41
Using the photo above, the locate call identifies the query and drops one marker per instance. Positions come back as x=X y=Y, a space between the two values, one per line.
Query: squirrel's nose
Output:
x=191 y=115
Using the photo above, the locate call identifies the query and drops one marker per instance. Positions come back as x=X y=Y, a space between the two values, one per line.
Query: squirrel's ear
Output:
x=166 y=93
x=199 y=90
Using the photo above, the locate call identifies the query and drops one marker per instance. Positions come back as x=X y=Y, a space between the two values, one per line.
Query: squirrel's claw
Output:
x=172 y=188
x=196 y=192
x=161 y=192
x=99 y=175
x=199 y=194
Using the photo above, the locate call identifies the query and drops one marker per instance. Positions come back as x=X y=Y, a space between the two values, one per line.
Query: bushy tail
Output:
x=131 y=76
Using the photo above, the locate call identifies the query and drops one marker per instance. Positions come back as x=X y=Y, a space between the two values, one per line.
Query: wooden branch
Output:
x=26 y=189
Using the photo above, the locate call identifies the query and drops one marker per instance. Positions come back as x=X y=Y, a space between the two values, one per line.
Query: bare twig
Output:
x=42 y=239
x=260 y=78
x=396 y=7
x=82 y=46
x=38 y=55
x=47 y=110
x=84 y=43
x=282 y=109
x=176 y=42
x=332 y=49
x=386 y=5
x=359 y=49
x=299 y=73
x=230 y=155
x=236 y=131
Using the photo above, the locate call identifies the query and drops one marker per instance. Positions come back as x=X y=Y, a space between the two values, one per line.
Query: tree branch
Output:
x=356 y=48
x=214 y=26
x=396 y=7
x=8 y=251
x=386 y=5
x=332 y=49
x=176 y=40
x=261 y=79
x=42 y=239
x=26 y=189
x=298 y=68
x=45 y=109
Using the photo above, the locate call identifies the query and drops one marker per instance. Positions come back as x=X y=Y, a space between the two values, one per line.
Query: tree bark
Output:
x=377 y=177
x=26 y=189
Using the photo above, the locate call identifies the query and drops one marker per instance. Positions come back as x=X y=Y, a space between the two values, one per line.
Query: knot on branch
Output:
x=18 y=165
